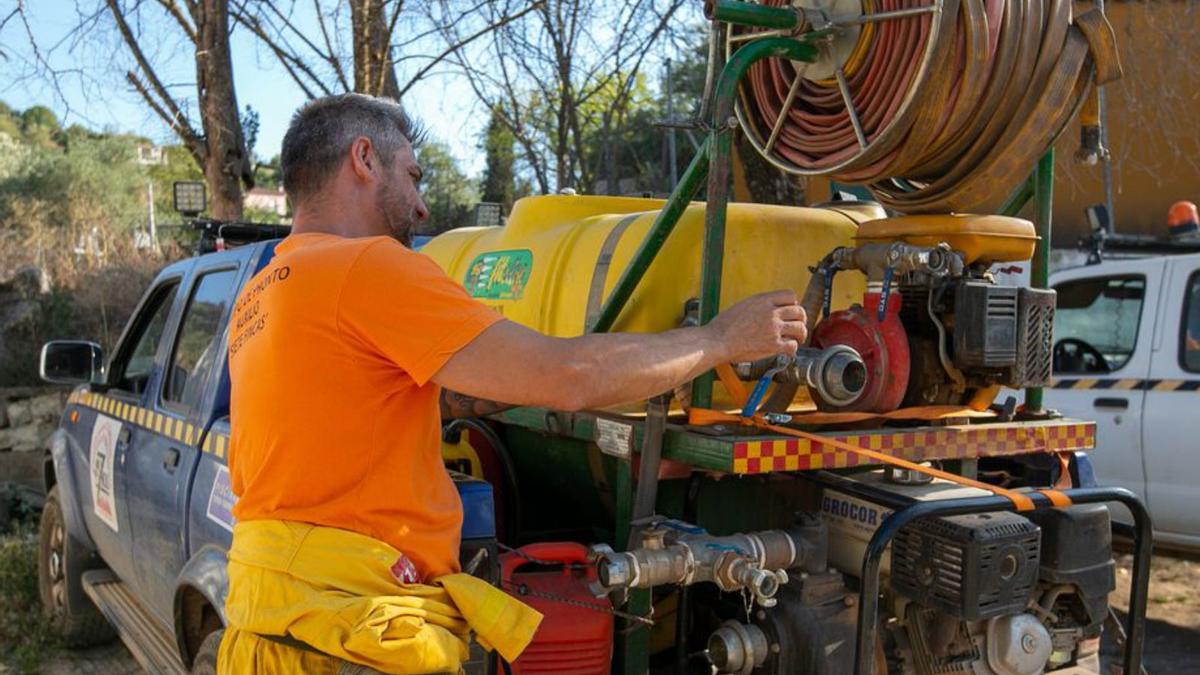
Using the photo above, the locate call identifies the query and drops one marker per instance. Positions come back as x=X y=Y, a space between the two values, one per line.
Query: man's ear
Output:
x=363 y=160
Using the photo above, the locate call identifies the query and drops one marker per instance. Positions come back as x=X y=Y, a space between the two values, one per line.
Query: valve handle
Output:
x=885 y=293
x=756 y=396
x=760 y=388
x=827 y=295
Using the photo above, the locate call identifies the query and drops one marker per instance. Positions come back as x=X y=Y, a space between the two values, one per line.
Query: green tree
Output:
x=40 y=126
x=267 y=175
x=63 y=207
x=498 y=179
x=10 y=121
x=448 y=192
x=39 y=116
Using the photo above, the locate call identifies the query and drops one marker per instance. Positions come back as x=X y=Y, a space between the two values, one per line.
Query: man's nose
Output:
x=422 y=209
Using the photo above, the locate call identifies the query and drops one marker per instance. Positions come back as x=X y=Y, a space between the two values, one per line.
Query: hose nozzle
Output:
x=837 y=374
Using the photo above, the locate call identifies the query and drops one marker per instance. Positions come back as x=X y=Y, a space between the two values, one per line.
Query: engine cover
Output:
x=973 y=567
x=1003 y=332
x=985 y=325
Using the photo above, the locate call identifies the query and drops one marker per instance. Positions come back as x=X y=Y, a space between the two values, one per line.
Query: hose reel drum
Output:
x=935 y=105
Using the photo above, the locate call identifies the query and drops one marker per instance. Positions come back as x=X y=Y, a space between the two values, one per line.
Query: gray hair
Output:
x=322 y=130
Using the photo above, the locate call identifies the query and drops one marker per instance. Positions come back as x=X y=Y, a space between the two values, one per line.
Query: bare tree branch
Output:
x=194 y=144
x=384 y=56
x=173 y=9
x=291 y=62
x=464 y=42
x=565 y=77
x=3 y=23
x=331 y=52
x=156 y=85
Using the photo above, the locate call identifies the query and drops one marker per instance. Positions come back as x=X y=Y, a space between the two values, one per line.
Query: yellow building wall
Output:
x=1153 y=124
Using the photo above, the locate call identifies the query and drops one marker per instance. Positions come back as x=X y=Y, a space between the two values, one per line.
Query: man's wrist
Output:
x=714 y=345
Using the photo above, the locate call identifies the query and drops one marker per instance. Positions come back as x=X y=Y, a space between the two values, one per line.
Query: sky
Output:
x=94 y=91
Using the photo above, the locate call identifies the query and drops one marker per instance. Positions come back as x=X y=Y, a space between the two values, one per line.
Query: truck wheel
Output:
x=61 y=564
x=205 y=662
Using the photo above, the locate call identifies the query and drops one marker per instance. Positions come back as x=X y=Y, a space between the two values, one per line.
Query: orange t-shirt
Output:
x=335 y=421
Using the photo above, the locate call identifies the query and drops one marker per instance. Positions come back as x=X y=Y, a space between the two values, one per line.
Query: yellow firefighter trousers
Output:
x=334 y=590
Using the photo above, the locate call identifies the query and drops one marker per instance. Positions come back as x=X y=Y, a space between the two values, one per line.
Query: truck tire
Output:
x=205 y=662
x=61 y=563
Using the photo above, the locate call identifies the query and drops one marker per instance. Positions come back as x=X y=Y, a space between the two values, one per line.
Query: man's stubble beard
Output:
x=401 y=218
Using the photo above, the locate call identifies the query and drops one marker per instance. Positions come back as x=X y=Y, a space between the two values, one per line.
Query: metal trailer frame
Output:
x=713 y=163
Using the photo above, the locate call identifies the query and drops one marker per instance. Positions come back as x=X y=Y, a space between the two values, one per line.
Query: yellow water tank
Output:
x=559 y=256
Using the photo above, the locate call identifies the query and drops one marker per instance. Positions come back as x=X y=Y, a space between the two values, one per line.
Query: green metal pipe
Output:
x=1020 y=197
x=751 y=14
x=1039 y=273
x=667 y=218
x=720 y=166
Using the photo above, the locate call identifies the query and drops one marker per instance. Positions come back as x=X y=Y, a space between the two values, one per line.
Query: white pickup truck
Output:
x=1127 y=355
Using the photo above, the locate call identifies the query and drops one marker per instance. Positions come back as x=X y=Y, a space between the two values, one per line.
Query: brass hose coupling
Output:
x=673 y=552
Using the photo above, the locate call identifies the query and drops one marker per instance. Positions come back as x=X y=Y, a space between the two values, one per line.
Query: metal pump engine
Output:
x=934 y=328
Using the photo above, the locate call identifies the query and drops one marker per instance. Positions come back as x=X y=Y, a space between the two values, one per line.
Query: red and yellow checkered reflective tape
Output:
x=960 y=442
x=164 y=425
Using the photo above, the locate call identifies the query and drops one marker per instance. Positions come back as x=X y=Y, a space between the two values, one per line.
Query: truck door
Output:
x=161 y=464
x=108 y=437
x=1102 y=332
x=1171 y=417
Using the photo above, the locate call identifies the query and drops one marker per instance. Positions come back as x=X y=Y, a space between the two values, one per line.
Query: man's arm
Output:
x=508 y=362
x=455 y=405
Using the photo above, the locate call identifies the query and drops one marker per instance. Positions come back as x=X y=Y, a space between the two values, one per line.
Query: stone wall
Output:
x=28 y=415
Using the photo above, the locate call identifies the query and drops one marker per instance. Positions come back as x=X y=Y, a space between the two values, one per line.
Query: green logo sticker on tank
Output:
x=499 y=275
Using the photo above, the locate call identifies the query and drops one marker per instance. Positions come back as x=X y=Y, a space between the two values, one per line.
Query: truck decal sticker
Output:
x=101 y=457
x=499 y=275
x=221 y=499
x=1127 y=384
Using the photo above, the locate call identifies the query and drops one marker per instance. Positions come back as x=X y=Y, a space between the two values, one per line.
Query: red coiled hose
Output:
x=949 y=107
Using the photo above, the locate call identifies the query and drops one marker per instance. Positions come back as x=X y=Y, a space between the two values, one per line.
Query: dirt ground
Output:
x=1172 y=614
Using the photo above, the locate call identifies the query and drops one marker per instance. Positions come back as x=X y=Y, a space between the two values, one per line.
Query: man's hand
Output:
x=760 y=326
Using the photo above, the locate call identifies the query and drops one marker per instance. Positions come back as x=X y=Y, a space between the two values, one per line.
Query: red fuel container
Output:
x=571 y=640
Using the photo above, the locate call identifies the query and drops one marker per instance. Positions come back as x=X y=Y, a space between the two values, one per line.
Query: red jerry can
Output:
x=572 y=639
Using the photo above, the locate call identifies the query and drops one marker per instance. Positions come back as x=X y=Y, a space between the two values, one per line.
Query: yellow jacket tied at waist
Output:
x=335 y=591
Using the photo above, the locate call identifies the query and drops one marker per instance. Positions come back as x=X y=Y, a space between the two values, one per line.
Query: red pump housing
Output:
x=883 y=346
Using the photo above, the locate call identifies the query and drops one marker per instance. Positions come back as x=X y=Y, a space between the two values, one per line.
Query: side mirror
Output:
x=71 y=361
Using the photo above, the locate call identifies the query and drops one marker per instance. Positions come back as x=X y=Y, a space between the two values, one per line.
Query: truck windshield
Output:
x=1103 y=313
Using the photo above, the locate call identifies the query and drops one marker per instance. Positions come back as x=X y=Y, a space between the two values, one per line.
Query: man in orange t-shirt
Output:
x=340 y=347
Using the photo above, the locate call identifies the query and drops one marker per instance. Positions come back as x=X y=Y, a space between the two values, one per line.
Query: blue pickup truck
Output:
x=138 y=518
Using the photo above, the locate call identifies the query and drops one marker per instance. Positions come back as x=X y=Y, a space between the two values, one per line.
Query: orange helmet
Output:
x=1183 y=219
